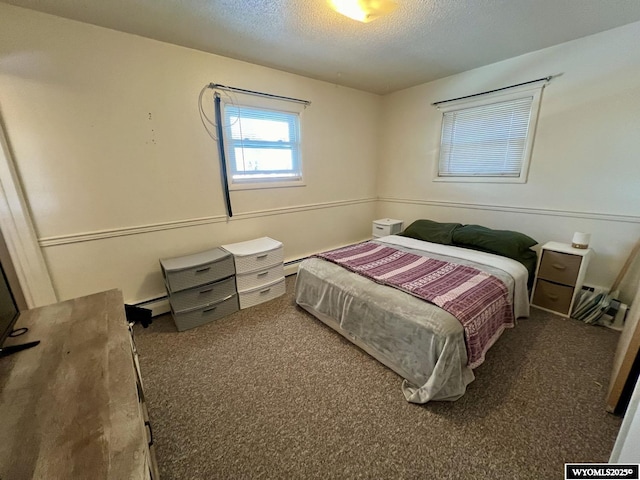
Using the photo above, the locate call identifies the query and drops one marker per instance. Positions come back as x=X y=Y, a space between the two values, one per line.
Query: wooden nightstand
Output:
x=386 y=226
x=559 y=277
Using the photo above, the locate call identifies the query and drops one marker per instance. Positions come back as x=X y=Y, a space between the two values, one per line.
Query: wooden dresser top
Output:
x=69 y=406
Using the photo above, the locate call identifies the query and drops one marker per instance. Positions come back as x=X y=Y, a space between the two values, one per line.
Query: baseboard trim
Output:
x=604 y=217
x=193 y=222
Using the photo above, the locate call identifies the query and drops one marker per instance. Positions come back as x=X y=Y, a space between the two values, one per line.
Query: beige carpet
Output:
x=271 y=392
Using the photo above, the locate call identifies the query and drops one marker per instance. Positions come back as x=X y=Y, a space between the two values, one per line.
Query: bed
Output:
x=422 y=342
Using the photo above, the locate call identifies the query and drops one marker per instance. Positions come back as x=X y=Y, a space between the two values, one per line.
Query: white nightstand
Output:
x=386 y=226
x=559 y=277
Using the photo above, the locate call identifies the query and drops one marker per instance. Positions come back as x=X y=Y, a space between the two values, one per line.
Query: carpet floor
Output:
x=271 y=392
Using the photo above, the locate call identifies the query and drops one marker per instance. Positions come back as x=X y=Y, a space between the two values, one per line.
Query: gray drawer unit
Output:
x=201 y=287
x=189 y=271
x=199 y=316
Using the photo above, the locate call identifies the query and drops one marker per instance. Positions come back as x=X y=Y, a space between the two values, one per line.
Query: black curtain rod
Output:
x=496 y=90
x=306 y=103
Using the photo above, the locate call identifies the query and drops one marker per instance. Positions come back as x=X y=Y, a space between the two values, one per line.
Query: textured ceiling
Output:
x=420 y=41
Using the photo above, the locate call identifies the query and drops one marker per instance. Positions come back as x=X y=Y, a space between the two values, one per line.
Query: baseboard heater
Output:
x=291 y=267
x=158 y=306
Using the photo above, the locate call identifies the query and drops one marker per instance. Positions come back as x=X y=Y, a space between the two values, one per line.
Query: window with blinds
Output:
x=488 y=138
x=262 y=145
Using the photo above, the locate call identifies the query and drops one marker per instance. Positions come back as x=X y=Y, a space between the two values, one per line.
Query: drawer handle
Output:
x=262 y=256
x=262 y=274
x=266 y=290
x=209 y=309
x=148 y=424
x=379 y=227
x=552 y=296
x=206 y=291
x=202 y=270
x=559 y=266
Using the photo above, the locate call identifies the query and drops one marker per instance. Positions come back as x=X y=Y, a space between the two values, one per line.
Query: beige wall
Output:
x=584 y=173
x=118 y=170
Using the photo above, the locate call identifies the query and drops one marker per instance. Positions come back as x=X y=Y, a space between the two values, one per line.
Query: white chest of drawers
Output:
x=201 y=287
x=259 y=270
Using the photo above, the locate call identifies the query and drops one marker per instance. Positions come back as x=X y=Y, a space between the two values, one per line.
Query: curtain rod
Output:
x=306 y=103
x=547 y=79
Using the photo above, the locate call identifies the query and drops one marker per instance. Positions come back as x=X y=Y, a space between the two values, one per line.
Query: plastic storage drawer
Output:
x=199 y=316
x=256 y=254
x=261 y=294
x=192 y=270
x=202 y=295
x=249 y=281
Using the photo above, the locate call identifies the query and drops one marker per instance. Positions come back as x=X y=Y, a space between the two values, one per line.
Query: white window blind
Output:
x=488 y=138
x=262 y=144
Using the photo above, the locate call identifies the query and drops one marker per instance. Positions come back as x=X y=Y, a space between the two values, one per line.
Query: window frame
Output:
x=294 y=119
x=516 y=93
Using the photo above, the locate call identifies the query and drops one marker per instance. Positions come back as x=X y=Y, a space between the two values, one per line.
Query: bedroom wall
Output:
x=584 y=171
x=118 y=170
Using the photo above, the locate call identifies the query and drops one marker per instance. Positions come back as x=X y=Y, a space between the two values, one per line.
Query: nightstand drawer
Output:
x=559 y=267
x=553 y=296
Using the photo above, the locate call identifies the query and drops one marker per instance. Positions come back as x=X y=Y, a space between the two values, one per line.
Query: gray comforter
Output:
x=418 y=340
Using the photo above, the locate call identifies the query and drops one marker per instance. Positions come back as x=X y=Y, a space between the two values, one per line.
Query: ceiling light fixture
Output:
x=363 y=10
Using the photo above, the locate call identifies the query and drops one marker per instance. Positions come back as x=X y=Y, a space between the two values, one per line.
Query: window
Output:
x=262 y=147
x=488 y=138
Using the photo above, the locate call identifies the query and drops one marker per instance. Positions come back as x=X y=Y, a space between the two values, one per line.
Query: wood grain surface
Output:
x=69 y=407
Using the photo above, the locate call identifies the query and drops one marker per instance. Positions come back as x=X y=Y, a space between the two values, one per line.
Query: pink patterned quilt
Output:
x=480 y=301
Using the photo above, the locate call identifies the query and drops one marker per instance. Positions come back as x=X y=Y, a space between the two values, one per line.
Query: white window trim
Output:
x=256 y=184
x=534 y=90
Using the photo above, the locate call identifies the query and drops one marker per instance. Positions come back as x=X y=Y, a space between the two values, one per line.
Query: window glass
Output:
x=262 y=145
